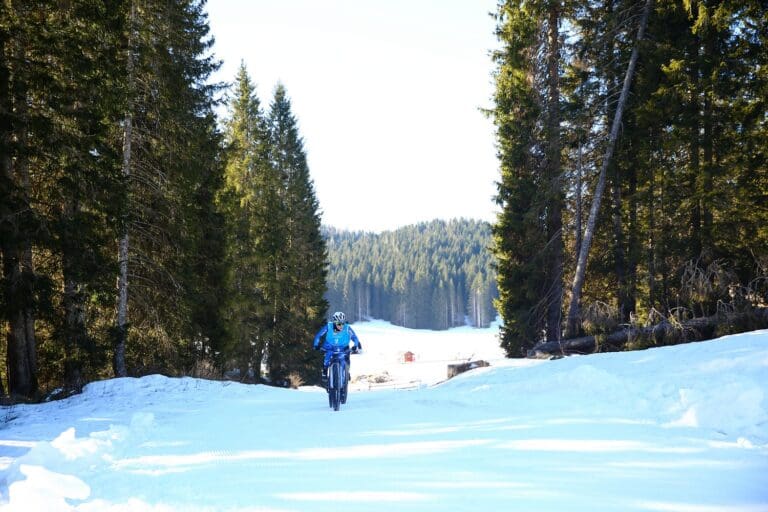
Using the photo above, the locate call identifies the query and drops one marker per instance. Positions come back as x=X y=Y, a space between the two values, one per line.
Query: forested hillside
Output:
x=432 y=275
x=634 y=166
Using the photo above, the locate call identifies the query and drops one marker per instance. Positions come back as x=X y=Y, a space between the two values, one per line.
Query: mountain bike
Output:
x=338 y=377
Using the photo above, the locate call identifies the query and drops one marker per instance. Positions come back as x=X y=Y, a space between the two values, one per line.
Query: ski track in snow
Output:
x=673 y=429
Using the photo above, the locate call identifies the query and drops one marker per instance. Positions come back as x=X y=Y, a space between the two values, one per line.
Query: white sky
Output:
x=387 y=94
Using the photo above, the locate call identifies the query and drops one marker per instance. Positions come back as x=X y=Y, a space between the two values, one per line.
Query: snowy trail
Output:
x=674 y=429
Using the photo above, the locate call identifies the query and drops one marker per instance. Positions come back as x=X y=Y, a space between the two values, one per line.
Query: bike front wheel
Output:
x=335 y=385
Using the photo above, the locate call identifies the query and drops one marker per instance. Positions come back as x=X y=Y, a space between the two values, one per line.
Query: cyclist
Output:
x=338 y=334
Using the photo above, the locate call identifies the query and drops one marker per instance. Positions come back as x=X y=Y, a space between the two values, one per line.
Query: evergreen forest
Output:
x=139 y=233
x=155 y=221
x=632 y=139
x=433 y=275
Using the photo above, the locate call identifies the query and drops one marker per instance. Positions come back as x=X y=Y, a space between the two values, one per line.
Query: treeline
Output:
x=136 y=236
x=432 y=275
x=634 y=164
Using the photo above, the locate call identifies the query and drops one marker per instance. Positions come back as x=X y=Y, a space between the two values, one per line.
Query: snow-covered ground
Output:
x=675 y=429
x=382 y=363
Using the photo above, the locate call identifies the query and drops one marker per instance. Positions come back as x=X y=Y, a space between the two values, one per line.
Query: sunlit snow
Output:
x=674 y=429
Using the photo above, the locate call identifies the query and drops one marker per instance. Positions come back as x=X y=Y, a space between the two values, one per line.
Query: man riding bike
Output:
x=338 y=334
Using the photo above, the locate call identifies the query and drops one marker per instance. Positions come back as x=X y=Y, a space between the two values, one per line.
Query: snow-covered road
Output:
x=682 y=429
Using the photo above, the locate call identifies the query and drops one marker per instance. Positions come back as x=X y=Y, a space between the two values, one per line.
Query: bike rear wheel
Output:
x=345 y=386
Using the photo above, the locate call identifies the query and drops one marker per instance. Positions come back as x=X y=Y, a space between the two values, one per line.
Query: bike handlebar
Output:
x=339 y=350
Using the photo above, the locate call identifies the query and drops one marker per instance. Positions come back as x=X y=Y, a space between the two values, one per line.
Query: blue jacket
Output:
x=335 y=339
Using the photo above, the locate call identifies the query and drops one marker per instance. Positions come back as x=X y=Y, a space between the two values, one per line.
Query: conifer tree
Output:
x=174 y=153
x=17 y=220
x=668 y=168
x=65 y=102
x=64 y=95
x=519 y=237
x=304 y=259
x=578 y=280
x=247 y=157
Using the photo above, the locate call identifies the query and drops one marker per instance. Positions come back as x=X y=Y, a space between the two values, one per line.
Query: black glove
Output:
x=355 y=350
x=318 y=347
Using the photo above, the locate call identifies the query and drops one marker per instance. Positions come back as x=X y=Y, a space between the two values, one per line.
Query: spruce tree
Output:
x=65 y=95
x=17 y=220
x=519 y=236
x=174 y=154
x=671 y=170
x=247 y=160
x=70 y=100
x=305 y=259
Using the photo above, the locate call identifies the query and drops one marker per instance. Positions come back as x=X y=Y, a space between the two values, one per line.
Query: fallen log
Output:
x=663 y=333
x=456 y=369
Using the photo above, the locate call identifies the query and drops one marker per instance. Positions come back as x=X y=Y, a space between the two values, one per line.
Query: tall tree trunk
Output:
x=555 y=197
x=579 y=200
x=22 y=367
x=28 y=348
x=118 y=363
x=707 y=143
x=18 y=272
x=695 y=148
x=633 y=250
x=619 y=251
x=612 y=78
x=662 y=254
x=5 y=162
x=574 y=311
x=75 y=331
x=121 y=333
x=651 y=240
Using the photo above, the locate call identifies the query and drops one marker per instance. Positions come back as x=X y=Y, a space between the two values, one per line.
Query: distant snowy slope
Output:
x=385 y=345
x=681 y=429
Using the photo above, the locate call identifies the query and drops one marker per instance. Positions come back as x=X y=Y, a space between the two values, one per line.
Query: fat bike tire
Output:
x=345 y=387
x=334 y=388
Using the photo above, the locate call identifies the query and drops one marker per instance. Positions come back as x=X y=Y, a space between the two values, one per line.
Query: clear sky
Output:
x=387 y=94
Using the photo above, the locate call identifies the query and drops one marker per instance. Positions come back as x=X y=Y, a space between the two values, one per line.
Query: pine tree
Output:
x=174 y=153
x=578 y=280
x=304 y=259
x=16 y=217
x=247 y=157
x=88 y=185
x=121 y=324
x=66 y=103
x=519 y=236
x=552 y=179
x=65 y=95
